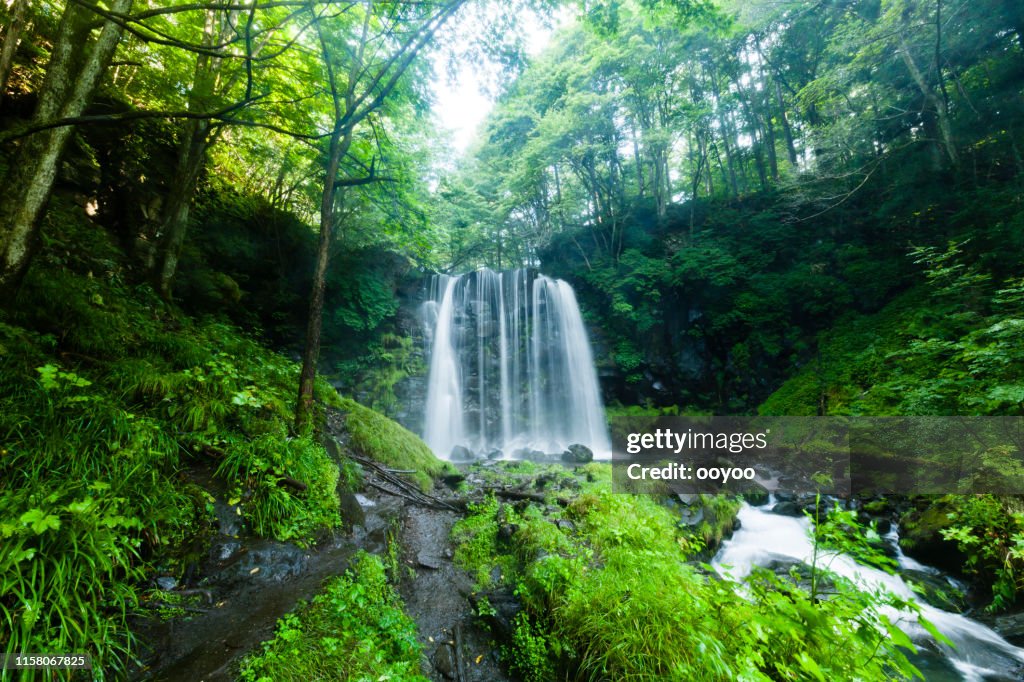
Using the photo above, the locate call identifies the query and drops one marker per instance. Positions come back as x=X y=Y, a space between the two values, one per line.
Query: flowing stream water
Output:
x=980 y=655
x=510 y=367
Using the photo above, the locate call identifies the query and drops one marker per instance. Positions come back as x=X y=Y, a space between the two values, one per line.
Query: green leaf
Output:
x=40 y=521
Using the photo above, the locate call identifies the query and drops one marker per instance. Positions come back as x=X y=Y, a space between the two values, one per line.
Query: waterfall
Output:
x=979 y=654
x=510 y=366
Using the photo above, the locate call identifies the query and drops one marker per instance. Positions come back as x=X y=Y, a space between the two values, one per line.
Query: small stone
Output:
x=579 y=454
x=427 y=560
x=166 y=583
x=788 y=508
x=444 y=661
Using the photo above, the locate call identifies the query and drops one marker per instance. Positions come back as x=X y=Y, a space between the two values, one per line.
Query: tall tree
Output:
x=364 y=62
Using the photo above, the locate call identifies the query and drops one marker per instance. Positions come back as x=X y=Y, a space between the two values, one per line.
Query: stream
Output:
x=980 y=655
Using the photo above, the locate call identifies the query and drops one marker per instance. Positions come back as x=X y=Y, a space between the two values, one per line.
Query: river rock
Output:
x=166 y=583
x=460 y=453
x=578 y=454
x=921 y=536
x=1011 y=628
x=351 y=511
x=755 y=494
x=444 y=661
x=789 y=508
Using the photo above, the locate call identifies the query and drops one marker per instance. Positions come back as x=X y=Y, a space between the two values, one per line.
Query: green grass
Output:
x=107 y=394
x=353 y=630
x=383 y=440
x=616 y=594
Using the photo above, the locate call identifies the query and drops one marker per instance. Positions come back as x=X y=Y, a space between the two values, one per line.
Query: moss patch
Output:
x=388 y=442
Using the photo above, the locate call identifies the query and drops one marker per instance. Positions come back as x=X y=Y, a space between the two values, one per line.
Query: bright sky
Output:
x=461 y=106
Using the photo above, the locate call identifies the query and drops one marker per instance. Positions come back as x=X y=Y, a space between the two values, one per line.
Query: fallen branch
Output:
x=531 y=497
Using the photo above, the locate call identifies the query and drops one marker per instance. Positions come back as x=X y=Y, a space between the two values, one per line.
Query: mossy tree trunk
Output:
x=78 y=60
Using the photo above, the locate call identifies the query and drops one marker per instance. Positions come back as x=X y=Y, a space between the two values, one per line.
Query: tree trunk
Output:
x=938 y=107
x=311 y=353
x=74 y=71
x=175 y=214
x=11 y=40
x=786 y=129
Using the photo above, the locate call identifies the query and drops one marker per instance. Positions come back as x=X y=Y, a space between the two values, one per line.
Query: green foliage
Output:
x=353 y=630
x=383 y=440
x=990 y=532
x=69 y=569
x=949 y=347
x=262 y=470
x=107 y=391
x=613 y=595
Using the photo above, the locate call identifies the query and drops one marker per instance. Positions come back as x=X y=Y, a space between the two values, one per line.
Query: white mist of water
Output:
x=980 y=654
x=510 y=366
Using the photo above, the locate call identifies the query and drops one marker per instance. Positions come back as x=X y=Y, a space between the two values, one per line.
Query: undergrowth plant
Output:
x=354 y=629
x=108 y=393
x=616 y=594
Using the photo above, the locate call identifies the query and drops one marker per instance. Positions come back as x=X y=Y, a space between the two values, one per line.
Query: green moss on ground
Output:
x=375 y=436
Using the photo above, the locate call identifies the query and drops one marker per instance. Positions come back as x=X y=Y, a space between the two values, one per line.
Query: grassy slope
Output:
x=379 y=438
x=108 y=394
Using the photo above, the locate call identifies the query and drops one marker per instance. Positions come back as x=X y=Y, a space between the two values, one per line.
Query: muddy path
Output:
x=248 y=584
x=437 y=596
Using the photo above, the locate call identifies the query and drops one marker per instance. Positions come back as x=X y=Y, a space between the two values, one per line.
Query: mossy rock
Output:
x=921 y=535
x=375 y=436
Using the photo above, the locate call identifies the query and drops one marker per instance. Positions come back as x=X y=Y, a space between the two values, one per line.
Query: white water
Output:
x=510 y=366
x=980 y=654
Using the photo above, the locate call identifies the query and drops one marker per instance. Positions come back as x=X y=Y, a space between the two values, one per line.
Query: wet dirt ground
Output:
x=436 y=595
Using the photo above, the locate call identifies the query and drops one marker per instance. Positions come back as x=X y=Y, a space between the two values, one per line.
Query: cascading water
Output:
x=510 y=366
x=979 y=655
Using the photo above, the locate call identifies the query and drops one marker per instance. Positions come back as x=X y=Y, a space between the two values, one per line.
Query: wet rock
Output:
x=935 y=590
x=691 y=516
x=166 y=583
x=755 y=494
x=226 y=550
x=460 y=453
x=351 y=511
x=790 y=508
x=578 y=454
x=882 y=526
x=921 y=536
x=1010 y=627
x=566 y=525
x=444 y=661
x=428 y=560
x=495 y=454
x=689 y=498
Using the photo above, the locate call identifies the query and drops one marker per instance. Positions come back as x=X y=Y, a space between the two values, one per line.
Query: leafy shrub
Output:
x=990 y=531
x=613 y=596
x=354 y=630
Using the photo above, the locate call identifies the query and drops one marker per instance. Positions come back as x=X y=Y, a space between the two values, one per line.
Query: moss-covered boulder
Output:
x=921 y=534
x=373 y=435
